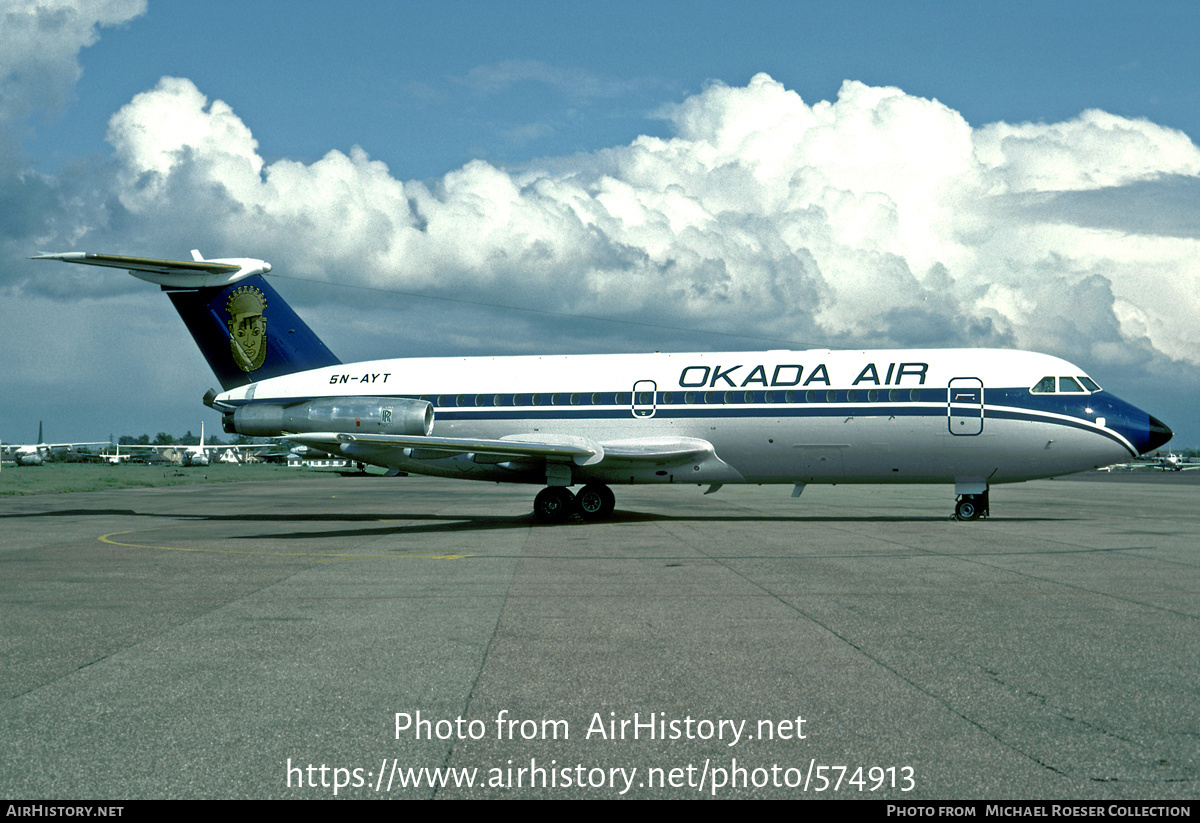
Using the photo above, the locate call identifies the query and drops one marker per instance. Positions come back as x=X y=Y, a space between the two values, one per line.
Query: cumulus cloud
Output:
x=878 y=218
x=40 y=41
x=874 y=219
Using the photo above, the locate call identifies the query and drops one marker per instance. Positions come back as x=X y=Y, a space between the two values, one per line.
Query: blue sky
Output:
x=406 y=80
x=952 y=194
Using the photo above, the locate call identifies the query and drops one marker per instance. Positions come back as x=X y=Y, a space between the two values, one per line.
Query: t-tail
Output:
x=243 y=327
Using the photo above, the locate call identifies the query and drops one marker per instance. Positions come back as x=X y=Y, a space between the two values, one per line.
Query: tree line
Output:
x=189 y=439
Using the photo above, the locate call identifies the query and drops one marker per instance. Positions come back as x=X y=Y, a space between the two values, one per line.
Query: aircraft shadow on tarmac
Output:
x=76 y=513
x=436 y=523
x=423 y=522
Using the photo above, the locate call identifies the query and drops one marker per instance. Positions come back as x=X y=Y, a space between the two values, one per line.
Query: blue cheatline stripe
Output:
x=1016 y=404
x=1071 y=422
x=733 y=413
x=691 y=412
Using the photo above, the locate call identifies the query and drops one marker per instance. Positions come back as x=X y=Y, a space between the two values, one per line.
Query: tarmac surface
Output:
x=297 y=639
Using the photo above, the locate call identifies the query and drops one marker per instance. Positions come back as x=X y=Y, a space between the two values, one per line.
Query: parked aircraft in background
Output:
x=971 y=417
x=1172 y=462
x=38 y=453
x=203 y=455
x=1169 y=462
x=288 y=450
x=111 y=457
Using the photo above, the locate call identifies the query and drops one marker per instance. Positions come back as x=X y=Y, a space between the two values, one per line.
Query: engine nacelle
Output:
x=351 y=415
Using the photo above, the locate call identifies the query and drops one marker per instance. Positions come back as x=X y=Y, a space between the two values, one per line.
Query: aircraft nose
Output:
x=1157 y=434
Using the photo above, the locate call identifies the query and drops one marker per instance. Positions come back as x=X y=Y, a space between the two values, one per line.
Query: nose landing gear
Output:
x=971 y=506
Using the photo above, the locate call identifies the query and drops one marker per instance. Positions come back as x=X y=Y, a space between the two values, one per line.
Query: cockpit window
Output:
x=1066 y=385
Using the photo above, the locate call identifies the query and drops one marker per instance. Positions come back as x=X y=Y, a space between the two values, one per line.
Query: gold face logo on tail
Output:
x=247 y=327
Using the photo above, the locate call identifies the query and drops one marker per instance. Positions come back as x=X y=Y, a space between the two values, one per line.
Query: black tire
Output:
x=595 y=501
x=967 y=509
x=553 y=505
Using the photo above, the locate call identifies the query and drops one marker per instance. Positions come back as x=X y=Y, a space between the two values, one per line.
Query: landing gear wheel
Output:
x=966 y=509
x=553 y=505
x=972 y=506
x=596 y=501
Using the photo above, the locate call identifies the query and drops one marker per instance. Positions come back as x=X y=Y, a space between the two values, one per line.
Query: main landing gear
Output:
x=555 y=504
x=971 y=506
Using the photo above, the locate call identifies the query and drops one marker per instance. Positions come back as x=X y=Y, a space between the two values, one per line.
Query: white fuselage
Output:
x=195 y=456
x=819 y=416
x=31 y=455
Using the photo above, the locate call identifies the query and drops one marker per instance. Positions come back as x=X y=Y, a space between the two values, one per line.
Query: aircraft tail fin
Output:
x=248 y=333
x=243 y=327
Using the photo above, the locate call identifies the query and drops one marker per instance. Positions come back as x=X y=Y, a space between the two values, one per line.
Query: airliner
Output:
x=36 y=454
x=971 y=417
x=202 y=455
x=1170 y=462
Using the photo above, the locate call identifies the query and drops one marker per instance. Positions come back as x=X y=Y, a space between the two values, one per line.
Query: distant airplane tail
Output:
x=245 y=330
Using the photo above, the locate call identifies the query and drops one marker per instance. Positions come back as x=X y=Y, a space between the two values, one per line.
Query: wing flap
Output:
x=561 y=448
x=644 y=451
x=662 y=451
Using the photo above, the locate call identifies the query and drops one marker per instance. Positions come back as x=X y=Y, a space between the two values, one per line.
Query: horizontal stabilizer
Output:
x=187 y=274
x=245 y=330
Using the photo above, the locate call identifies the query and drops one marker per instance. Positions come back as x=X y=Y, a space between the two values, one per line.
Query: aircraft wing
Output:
x=656 y=451
x=561 y=447
x=553 y=447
